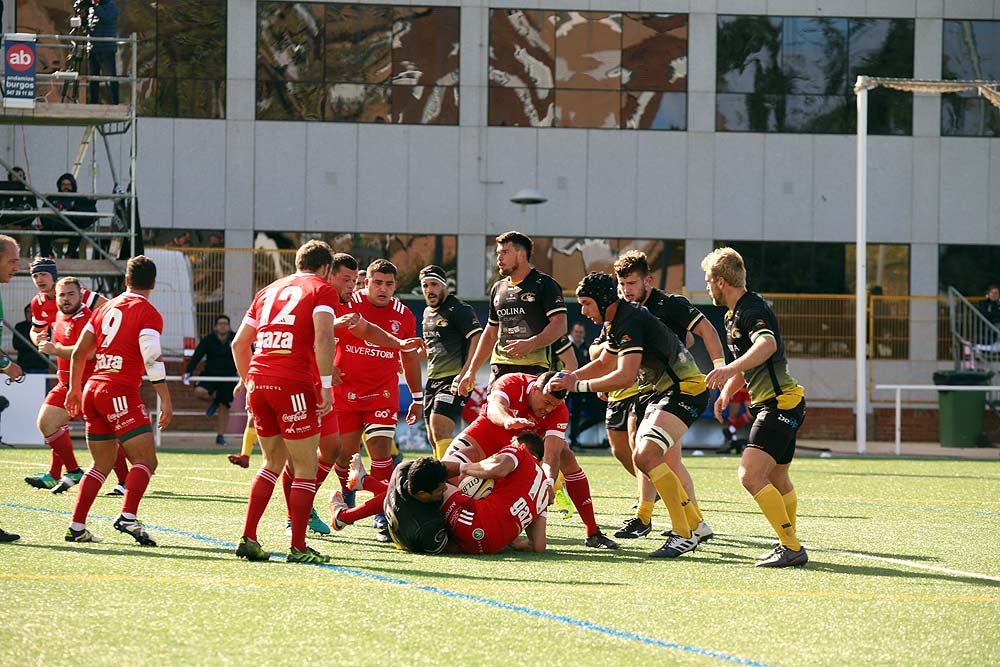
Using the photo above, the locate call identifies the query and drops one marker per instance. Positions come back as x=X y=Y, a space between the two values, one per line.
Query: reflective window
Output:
x=796 y=74
x=180 y=54
x=588 y=69
x=568 y=260
x=357 y=63
x=970 y=51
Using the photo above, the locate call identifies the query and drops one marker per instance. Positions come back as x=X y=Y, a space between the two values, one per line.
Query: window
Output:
x=357 y=63
x=971 y=51
x=180 y=59
x=796 y=74
x=588 y=69
x=568 y=260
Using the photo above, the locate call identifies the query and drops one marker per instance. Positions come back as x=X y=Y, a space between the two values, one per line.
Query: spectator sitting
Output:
x=67 y=183
x=28 y=357
x=15 y=181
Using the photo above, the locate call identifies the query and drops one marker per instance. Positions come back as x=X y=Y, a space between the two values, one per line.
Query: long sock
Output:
x=791 y=505
x=690 y=509
x=55 y=464
x=121 y=465
x=373 y=485
x=371 y=507
x=89 y=487
x=322 y=472
x=62 y=448
x=578 y=489
x=645 y=510
x=135 y=487
x=671 y=493
x=249 y=439
x=261 y=489
x=301 y=503
x=286 y=487
x=342 y=474
x=771 y=504
x=440 y=447
x=559 y=483
x=381 y=468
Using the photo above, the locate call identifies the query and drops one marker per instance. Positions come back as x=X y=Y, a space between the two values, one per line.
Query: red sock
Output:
x=303 y=493
x=261 y=489
x=286 y=489
x=578 y=489
x=322 y=472
x=381 y=468
x=121 y=466
x=55 y=465
x=342 y=474
x=376 y=486
x=88 y=488
x=62 y=449
x=371 y=507
x=135 y=486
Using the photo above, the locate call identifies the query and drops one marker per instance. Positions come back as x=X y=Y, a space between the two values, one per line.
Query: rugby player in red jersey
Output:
x=44 y=309
x=290 y=328
x=368 y=398
x=125 y=333
x=521 y=402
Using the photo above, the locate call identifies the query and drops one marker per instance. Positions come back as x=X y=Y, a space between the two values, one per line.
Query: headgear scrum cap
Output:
x=600 y=287
x=45 y=265
x=434 y=272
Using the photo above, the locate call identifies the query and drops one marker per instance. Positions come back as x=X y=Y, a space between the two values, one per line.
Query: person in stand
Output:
x=103 y=54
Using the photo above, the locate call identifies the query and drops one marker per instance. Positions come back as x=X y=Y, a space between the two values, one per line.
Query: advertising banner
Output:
x=19 y=71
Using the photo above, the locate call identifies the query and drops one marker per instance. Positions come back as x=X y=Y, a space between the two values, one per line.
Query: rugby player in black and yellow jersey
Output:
x=527 y=314
x=777 y=400
x=642 y=348
x=450 y=330
x=674 y=310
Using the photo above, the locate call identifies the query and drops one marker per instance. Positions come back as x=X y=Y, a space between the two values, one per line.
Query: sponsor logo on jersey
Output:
x=478 y=534
x=528 y=297
x=395 y=326
x=626 y=338
x=441 y=323
x=514 y=311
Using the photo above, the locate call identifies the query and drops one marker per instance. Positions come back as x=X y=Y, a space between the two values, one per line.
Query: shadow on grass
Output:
x=170 y=495
x=123 y=549
x=798 y=515
x=906 y=475
x=902 y=572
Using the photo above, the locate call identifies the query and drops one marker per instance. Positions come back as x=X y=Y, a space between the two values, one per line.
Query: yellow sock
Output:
x=791 y=505
x=773 y=506
x=645 y=510
x=671 y=493
x=440 y=447
x=690 y=510
x=697 y=513
x=249 y=438
x=560 y=480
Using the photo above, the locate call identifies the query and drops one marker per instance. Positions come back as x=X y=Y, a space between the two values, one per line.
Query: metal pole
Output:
x=132 y=148
x=899 y=421
x=861 y=271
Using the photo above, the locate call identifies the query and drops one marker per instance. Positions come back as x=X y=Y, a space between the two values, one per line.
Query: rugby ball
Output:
x=475 y=487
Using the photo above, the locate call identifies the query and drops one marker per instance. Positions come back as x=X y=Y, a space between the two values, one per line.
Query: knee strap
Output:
x=658 y=435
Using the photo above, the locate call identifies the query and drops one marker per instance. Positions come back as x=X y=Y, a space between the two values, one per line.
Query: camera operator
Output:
x=102 y=54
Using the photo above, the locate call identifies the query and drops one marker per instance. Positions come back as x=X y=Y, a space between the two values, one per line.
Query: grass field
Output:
x=904 y=570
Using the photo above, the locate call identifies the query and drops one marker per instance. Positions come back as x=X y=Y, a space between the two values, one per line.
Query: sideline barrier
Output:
x=899 y=388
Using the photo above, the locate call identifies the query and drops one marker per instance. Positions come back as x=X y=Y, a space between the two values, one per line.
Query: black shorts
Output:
x=685 y=407
x=438 y=400
x=616 y=417
x=221 y=392
x=499 y=370
x=774 y=430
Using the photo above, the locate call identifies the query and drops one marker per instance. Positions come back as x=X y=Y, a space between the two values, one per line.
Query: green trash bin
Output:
x=960 y=413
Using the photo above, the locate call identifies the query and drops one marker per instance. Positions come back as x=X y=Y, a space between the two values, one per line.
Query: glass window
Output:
x=568 y=260
x=358 y=63
x=588 y=69
x=180 y=53
x=970 y=51
x=795 y=74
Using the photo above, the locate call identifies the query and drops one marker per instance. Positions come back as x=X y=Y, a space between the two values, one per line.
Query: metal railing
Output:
x=899 y=388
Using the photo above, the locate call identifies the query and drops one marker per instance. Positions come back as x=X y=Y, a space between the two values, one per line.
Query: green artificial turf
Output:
x=904 y=570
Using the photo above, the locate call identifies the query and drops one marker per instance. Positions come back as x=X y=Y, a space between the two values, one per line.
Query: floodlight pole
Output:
x=861 y=272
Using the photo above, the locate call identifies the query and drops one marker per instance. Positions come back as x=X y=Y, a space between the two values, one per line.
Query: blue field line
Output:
x=536 y=613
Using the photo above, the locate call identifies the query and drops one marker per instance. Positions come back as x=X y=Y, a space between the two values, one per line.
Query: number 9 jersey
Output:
x=117 y=326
